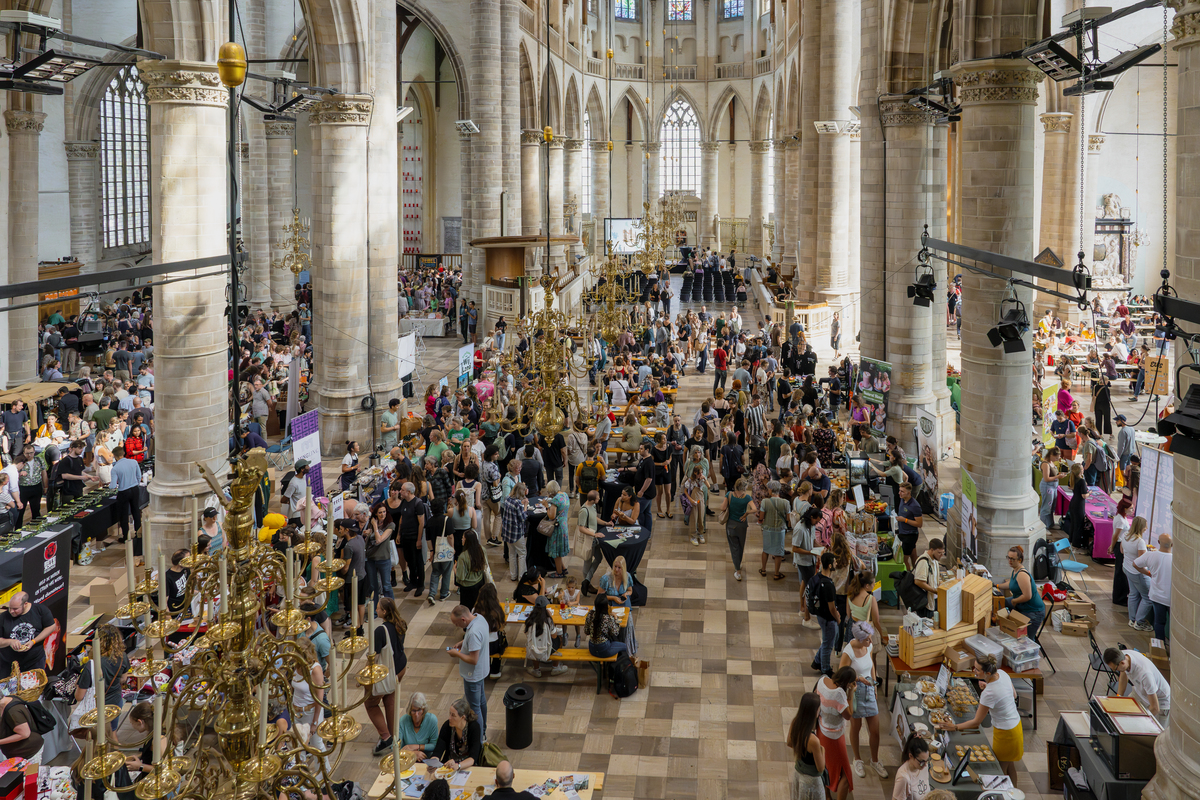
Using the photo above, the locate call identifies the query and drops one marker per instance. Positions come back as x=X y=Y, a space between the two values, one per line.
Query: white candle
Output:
x=87 y=785
x=147 y=550
x=162 y=584
x=195 y=522
x=307 y=507
x=262 y=715
x=157 y=732
x=353 y=601
x=223 y=572
x=329 y=553
x=370 y=623
x=129 y=572
x=333 y=683
x=287 y=577
x=396 y=746
x=98 y=688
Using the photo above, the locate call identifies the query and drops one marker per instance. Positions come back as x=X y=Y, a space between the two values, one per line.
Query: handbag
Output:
x=386 y=686
x=492 y=755
x=723 y=516
x=393 y=555
x=443 y=548
x=546 y=527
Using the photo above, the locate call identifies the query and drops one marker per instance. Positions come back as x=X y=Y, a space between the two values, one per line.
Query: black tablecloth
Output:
x=632 y=549
x=535 y=554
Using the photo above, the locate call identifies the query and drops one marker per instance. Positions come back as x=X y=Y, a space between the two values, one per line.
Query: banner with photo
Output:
x=1049 y=406
x=306 y=443
x=874 y=386
x=968 y=527
x=927 y=452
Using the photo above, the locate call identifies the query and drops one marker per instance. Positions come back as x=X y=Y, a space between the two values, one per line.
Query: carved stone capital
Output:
x=997 y=81
x=709 y=147
x=82 y=151
x=895 y=113
x=573 y=144
x=531 y=137
x=277 y=129
x=760 y=147
x=1186 y=26
x=1057 y=121
x=779 y=144
x=1095 y=142
x=792 y=144
x=341 y=109
x=651 y=147
x=182 y=83
x=243 y=150
x=557 y=143
x=19 y=122
x=601 y=147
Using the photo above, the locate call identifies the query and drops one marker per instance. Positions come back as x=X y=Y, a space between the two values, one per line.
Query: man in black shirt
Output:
x=828 y=617
x=177 y=579
x=70 y=472
x=23 y=628
x=554 y=454
x=909 y=521
x=412 y=525
x=531 y=471
x=644 y=484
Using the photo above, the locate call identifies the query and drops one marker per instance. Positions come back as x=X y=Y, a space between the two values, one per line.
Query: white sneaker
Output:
x=559 y=669
x=1132 y=624
x=859 y=770
x=702 y=539
x=737 y=575
x=695 y=542
x=880 y=769
x=537 y=673
x=811 y=624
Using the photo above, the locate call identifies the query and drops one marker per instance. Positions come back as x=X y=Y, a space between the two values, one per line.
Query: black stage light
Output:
x=1013 y=325
x=1184 y=425
x=921 y=291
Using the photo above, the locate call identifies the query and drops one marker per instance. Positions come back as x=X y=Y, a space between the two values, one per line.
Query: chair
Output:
x=1069 y=565
x=1042 y=627
x=279 y=455
x=1096 y=665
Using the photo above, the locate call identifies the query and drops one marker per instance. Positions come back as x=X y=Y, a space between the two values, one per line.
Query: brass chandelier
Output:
x=295 y=248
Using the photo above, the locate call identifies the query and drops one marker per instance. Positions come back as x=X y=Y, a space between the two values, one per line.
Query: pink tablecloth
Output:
x=1100 y=508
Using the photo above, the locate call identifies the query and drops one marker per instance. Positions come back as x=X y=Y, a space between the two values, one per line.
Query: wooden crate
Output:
x=925 y=651
x=977 y=599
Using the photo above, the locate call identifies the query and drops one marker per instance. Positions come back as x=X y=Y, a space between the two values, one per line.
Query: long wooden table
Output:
x=486 y=777
x=511 y=607
x=1034 y=676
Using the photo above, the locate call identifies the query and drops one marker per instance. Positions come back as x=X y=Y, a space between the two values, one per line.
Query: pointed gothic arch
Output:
x=572 y=115
x=638 y=102
x=793 y=99
x=678 y=93
x=552 y=110
x=720 y=112
x=596 y=115
x=530 y=109
x=760 y=123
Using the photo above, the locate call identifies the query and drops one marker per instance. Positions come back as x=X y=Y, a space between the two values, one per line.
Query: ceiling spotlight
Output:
x=29 y=87
x=1051 y=58
x=54 y=66
x=466 y=126
x=1184 y=425
x=921 y=290
x=402 y=112
x=298 y=103
x=1013 y=325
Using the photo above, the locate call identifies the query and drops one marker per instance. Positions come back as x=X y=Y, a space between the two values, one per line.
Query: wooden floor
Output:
x=729 y=664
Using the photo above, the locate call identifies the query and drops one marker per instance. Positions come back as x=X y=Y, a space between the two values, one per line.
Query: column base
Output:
x=903 y=414
x=1004 y=521
x=1177 y=777
x=170 y=509
x=344 y=419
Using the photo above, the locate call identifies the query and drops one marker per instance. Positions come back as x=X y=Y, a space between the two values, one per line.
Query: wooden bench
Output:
x=568 y=655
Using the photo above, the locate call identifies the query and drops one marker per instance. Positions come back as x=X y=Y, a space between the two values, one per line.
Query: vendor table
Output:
x=12 y=558
x=1101 y=780
x=427 y=327
x=894 y=663
x=632 y=548
x=1100 y=509
x=512 y=609
x=486 y=777
x=884 y=570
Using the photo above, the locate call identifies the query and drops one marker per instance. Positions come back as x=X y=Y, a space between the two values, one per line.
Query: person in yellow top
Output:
x=1045 y=323
x=590 y=474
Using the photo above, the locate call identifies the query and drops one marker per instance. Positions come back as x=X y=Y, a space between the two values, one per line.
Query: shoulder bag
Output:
x=386 y=686
x=443 y=548
x=723 y=516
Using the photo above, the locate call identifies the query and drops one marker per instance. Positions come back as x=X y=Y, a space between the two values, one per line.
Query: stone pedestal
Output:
x=758 y=197
x=24 y=134
x=708 y=194
x=188 y=191
x=281 y=198
x=339 y=253
x=600 y=209
x=998 y=99
x=531 y=195
x=83 y=170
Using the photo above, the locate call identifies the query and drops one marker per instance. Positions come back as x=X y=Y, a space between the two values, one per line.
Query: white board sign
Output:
x=406 y=355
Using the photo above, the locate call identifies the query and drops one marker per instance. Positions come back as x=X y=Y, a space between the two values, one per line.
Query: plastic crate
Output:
x=1024 y=665
x=983 y=646
x=1000 y=637
x=1021 y=649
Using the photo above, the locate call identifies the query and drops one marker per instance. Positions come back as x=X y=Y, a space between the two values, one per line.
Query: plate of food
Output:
x=408 y=773
x=911 y=696
x=916 y=711
x=443 y=772
x=926 y=687
x=920 y=727
x=934 y=701
x=940 y=718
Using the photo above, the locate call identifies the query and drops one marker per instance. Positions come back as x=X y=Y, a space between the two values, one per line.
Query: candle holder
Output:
x=158 y=785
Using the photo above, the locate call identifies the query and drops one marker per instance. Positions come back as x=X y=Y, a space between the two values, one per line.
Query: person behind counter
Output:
x=925 y=574
x=1149 y=686
x=22 y=631
x=909 y=521
x=1000 y=698
x=418 y=728
x=1022 y=594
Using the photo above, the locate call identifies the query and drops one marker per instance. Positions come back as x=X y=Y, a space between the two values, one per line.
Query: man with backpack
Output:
x=820 y=597
x=591 y=472
x=925 y=578
x=294 y=490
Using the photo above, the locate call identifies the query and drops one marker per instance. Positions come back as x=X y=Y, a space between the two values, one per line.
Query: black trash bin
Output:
x=518 y=702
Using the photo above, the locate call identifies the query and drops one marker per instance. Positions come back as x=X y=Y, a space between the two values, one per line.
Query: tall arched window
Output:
x=626 y=9
x=585 y=182
x=124 y=162
x=679 y=169
x=679 y=11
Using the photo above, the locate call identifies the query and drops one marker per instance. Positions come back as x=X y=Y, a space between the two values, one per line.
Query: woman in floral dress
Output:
x=558 y=544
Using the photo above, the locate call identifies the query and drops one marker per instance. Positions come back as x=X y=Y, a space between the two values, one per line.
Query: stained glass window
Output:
x=585 y=181
x=679 y=170
x=124 y=162
x=626 y=9
x=679 y=10
x=733 y=9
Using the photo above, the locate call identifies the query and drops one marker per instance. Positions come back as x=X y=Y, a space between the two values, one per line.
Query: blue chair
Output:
x=1068 y=565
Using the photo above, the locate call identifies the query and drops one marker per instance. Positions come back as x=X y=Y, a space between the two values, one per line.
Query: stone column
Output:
x=1091 y=199
x=909 y=333
x=998 y=99
x=252 y=209
x=554 y=174
x=24 y=129
x=653 y=166
x=852 y=311
x=708 y=193
x=1060 y=200
x=531 y=194
x=83 y=170
x=188 y=191
x=833 y=204
x=572 y=178
x=481 y=216
x=938 y=181
x=804 y=187
x=795 y=216
x=755 y=245
x=633 y=178
x=600 y=210
x=1178 y=775
x=510 y=69
x=339 y=250
x=781 y=199
x=280 y=138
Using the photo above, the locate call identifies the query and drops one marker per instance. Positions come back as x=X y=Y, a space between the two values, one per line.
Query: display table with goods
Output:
x=476 y=782
x=960 y=762
x=1111 y=744
x=1100 y=509
x=427 y=326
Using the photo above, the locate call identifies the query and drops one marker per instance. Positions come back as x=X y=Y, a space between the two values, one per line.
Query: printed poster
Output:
x=1049 y=406
x=306 y=443
x=466 y=360
x=45 y=577
x=968 y=526
x=874 y=385
x=1155 y=491
x=927 y=451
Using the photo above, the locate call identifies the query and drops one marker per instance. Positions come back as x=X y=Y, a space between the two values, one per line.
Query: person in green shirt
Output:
x=459 y=434
x=389 y=428
x=418 y=728
x=56 y=319
x=774 y=445
x=436 y=447
x=104 y=417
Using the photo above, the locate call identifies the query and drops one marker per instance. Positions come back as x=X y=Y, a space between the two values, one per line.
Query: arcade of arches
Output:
x=786 y=129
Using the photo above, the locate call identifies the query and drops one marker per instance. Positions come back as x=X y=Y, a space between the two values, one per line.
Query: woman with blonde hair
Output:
x=308 y=691
x=1132 y=545
x=558 y=544
x=617 y=584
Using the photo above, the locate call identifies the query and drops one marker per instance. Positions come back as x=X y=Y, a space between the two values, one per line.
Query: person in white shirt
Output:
x=1000 y=698
x=618 y=392
x=1157 y=565
x=1149 y=686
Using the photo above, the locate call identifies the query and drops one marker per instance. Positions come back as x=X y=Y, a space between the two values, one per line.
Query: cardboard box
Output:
x=942 y=592
x=1075 y=628
x=1014 y=623
x=1159 y=657
x=1080 y=603
x=958 y=658
x=107 y=589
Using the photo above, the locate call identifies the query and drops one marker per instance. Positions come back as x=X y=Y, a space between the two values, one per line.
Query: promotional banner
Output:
x=1155 y=490
x=1049 y=406
x=466 y=357
x=306 y=443
x=874 y=385
x=45 y=577
x=968 y=529
x=927 y=452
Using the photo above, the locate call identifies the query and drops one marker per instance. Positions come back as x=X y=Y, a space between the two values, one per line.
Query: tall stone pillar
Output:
x=510 y=69
x=531 y=190
x=804 y=186
x=83 y=170
x=281 y=198
x=481 y=216
x=600 y=209
x=755 y=245
x=572 y=202
x=708 y=193
x=1178 y=775
x=252 y=210
x=1091 y=199
x=554 y=175
x=998 y=118
x=873 y=203
x=653 y=167
x=1060 y=199
x=792 y=151
x=188 y=190
x=909 y=333
x=850 y=310
x=781 y=200
x=383 y=222
x=633 y=179
x=339 y=251
x=938 y=183
x=24 y=134
x=833 y=203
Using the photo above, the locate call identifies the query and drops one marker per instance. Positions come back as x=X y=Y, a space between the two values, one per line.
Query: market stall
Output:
x=1100 y=509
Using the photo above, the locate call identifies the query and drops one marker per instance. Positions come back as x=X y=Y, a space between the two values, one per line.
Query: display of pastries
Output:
x=978 y=753
x=926 y=687
x=962 y=696
x=940 y=718
x=934 y=701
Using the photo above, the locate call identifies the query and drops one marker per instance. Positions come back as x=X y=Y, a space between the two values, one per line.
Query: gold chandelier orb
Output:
x=231 y=64
x=295 y=248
